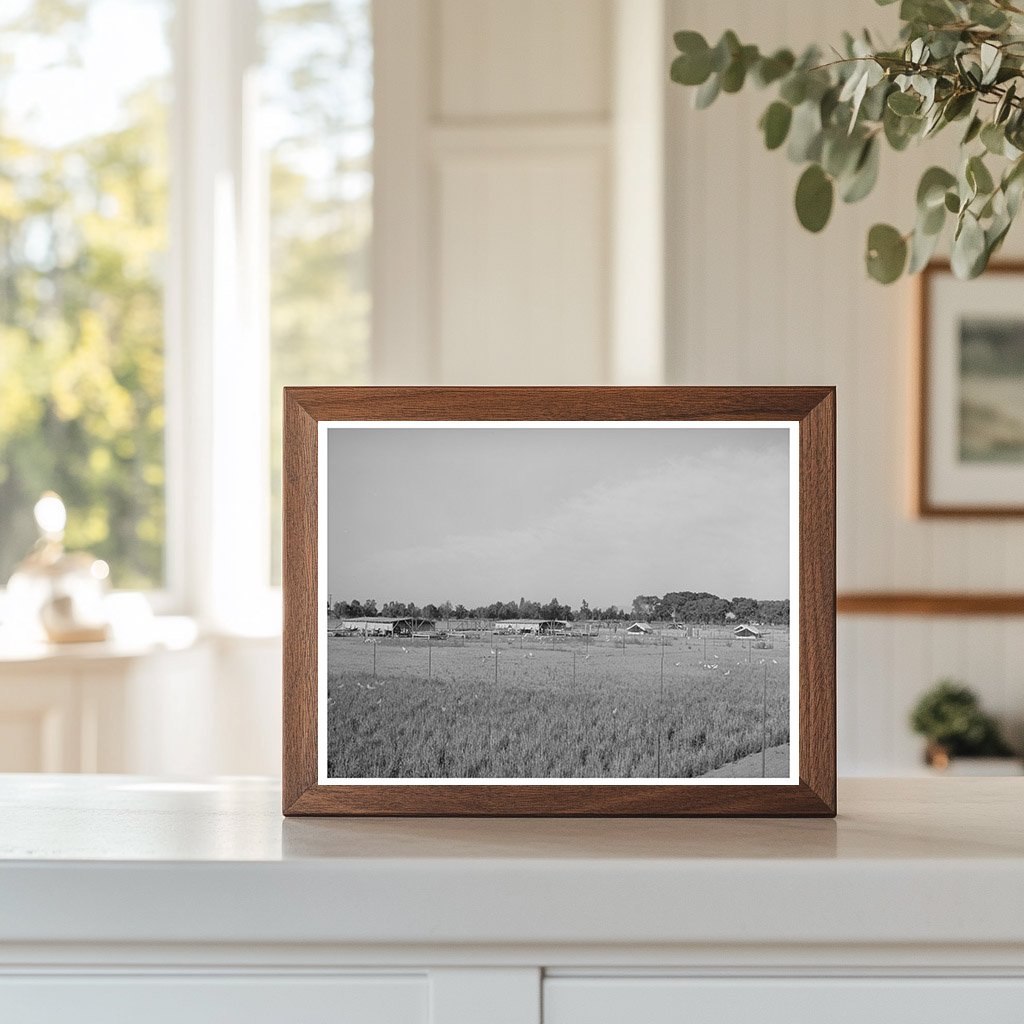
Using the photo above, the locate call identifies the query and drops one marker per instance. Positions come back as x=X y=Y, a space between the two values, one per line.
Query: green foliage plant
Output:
x=957 y=62
x=950 y=717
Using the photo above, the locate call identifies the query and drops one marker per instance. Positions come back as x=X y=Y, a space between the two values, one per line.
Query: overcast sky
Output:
x=477 y=515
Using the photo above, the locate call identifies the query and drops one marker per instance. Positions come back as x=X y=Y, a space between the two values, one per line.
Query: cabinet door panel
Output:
x=782 y=1001
x=202 y=999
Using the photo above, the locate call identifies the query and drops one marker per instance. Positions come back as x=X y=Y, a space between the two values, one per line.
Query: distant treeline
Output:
x=681 y=606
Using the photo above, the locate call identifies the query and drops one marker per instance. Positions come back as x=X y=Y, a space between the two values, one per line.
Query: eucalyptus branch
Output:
x=954 y=60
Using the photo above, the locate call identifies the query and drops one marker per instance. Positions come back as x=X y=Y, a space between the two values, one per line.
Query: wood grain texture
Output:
x=814 y=408
x=925 y=603
x=299 y=595
x=924 y=506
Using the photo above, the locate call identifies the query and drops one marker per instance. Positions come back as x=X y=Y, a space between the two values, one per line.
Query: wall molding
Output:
x=933 y=603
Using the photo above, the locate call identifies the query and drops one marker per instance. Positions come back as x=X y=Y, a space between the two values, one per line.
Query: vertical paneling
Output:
x=531 y=58
x=753 y=299
x=520 y=287
x=522 y=205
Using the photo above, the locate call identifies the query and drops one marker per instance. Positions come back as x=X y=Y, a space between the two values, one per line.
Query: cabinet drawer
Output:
x=782 y=1001
x=202 y=999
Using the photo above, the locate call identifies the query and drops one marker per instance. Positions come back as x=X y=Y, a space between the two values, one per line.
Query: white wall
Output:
x=501 y=152
x=754 y=299
x=511 y=144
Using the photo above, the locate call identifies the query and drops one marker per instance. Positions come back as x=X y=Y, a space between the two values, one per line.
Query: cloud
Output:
x=715 y=521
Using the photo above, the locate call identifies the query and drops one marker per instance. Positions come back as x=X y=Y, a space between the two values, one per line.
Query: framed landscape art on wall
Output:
x=970 y=450
x=559 y=601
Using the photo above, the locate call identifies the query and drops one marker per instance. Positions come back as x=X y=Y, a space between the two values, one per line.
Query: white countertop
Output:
x=119 y=859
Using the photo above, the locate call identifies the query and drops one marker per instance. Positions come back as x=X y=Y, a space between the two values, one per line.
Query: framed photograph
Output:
x=970 y=450
x=559 y=601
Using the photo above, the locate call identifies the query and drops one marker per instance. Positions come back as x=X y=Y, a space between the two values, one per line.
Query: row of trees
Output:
x=676 y=606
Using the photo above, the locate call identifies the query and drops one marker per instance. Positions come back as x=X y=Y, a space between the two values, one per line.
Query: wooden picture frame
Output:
x=941 y=489
x=809 y=415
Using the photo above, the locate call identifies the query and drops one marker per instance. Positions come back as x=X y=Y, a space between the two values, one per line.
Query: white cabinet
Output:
x=134 y=899
x=216 y=1000
x=829 y=1000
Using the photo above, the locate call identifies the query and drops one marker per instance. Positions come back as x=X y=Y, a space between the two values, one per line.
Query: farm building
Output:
x=545 y=627
x=378 y=625
x=746 y=633
x=639 y=629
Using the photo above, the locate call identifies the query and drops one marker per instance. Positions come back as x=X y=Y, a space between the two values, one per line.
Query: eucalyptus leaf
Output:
x=987 y=15
x=973 y=130
x=903 y=103
x=922 y=247
x=932 y=221
x=873 y=107
x=978 y=176
x=840 y=152
x=968 y=248
x=691 y=70
x=931 y=191
x=724 y=51
x=735 y=74
x=805 y=133
x=993 y=138
x=1005 y=105
x=865 y=173
x=958 y=105
x=991 y=61
x=794 y=88
x=707 y=93
x=900 y=130
x=886 y=253
x=814 y=197
x=771 y=69
x=775 y=124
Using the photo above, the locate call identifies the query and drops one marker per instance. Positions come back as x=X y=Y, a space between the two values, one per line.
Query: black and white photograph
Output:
x=571 y=601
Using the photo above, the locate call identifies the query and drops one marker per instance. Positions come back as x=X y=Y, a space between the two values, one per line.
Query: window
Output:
x=83 y=235
x=317 y=88
x=185 y=222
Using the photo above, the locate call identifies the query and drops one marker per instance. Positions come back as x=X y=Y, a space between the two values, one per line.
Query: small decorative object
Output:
x=950 y=718
x=57 y=594
x=958 y=63
x=970 y=450
x=428 y=670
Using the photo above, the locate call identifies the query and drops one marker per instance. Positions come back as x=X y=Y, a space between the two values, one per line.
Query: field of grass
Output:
x=500 y=707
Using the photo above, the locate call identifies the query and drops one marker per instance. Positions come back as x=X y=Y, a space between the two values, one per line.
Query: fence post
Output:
x=764 y=724
x=661 y=701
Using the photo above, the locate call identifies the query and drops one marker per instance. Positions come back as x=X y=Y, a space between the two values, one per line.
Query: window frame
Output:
x=217 y=351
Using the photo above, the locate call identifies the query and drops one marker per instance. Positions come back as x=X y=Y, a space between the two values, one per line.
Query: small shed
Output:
x=381 y=625
x=532 y=626
x=746 y=633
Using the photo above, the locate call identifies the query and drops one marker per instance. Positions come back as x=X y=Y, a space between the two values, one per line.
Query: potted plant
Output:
x=957 y=62
x=950 y=717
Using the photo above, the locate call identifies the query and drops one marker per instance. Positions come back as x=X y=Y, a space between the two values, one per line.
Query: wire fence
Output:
x=676 y=701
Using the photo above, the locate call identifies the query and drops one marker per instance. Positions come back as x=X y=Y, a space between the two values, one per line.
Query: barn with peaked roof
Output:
x=381 y=625
x=746 y=633
x=544 y=627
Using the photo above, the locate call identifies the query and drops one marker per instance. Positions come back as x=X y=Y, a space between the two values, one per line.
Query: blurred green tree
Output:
x=82 y=233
